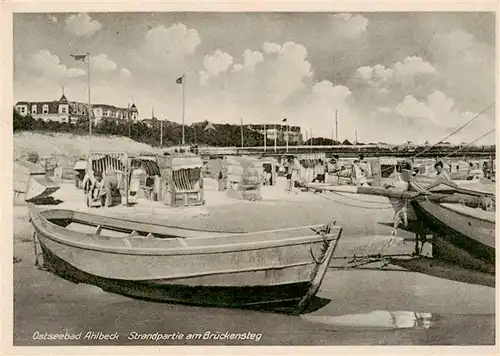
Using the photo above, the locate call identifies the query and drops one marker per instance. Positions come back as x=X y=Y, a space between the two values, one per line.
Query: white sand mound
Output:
x=48 y=144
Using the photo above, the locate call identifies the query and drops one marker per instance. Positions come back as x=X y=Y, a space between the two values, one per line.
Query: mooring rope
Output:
x=470 y=143
x=356 y=206
x=454 y=132
x=361 y=200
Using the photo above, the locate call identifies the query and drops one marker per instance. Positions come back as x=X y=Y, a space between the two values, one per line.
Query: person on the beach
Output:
x=442 y=174
x=295 y=179
x=320 y=175
x=97 y=186
x=334 y=162
x=400 y=207
x=486 y=170
x=359 y=173
x=288 y=172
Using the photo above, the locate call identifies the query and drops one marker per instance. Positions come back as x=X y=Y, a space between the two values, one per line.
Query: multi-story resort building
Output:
x=63 y=110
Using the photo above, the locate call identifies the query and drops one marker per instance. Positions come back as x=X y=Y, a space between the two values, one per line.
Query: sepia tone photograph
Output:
x=254 y=178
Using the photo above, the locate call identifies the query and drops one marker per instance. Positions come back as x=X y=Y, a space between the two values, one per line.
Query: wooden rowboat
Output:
x=464 y=235
x=264 y=269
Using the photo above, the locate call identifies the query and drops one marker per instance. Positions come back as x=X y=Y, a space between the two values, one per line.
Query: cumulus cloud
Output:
x=413 y=65
x=348 y=25
x=237 y=67
x=270 y=47
x=217 y=63
x=283 y=71
x=102 y=63
x=468 y=67
x=377 y=76
x=317 y=111
x=43 y=63
x=75 y=72
x=125 y=73
x=404 y=72
x=47 y=64
x=439 y=113
x=82 y=25
x=176 y=40
x=411 y=107
x=328 y=93
x=204 y=77
x=165 y=51
x=251 y=59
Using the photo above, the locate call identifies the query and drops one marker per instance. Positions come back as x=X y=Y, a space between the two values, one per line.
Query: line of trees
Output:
x=148 y=131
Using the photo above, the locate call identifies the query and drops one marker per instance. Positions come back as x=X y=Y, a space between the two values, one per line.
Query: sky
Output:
x=392 y=77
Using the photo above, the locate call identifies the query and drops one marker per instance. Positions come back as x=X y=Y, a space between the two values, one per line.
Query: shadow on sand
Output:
x=47 y=201
x=436 y=267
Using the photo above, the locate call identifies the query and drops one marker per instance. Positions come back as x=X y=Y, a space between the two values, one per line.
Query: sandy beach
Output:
x=460 y=313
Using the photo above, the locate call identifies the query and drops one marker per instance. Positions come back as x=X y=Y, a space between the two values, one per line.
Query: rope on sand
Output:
x=357 y=206
x=361 y=200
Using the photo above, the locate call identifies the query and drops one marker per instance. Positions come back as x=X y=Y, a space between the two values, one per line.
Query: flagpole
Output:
x=287 y=128
x=89 y=106
x=333 y=123
x=337 y=125
x=265 y=137
x=241 y=130
x=275 y=137
x=183 y=107
x=128 y=116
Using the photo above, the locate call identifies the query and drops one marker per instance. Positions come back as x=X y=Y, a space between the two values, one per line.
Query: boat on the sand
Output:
x=464 y=235
x=460 y=218
x=31 y=181
x=470 y=187
x=266 y=269
x=463 y=221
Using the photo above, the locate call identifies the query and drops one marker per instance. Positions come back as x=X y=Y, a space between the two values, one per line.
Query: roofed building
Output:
x=57 y=110
x=63 y=110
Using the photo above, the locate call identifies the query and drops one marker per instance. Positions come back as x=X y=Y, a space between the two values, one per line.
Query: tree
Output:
x=22 y=123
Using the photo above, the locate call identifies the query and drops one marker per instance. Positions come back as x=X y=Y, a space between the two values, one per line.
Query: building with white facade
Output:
x=63 y=111
x=279 y=131
x=58 y=110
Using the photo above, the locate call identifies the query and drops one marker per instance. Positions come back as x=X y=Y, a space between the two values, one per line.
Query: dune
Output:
x=52 y=144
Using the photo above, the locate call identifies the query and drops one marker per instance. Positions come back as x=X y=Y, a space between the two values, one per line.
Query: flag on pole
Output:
x=79 y=57
x=180 y=80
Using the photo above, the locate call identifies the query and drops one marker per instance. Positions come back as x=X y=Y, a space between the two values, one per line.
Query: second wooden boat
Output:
x=464 y=235
x=31 y=181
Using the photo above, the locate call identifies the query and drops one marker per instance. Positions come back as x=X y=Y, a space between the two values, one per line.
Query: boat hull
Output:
x=40 y=187
x=460 y=239
x=269 y=268
x=214 y=296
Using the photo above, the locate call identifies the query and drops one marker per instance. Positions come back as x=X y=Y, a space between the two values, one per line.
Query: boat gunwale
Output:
x=452 y=187
x=467 y=215
x=71 y=214
x=56 y=233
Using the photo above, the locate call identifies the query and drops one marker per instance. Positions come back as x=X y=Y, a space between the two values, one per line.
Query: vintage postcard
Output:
x=241 y=175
